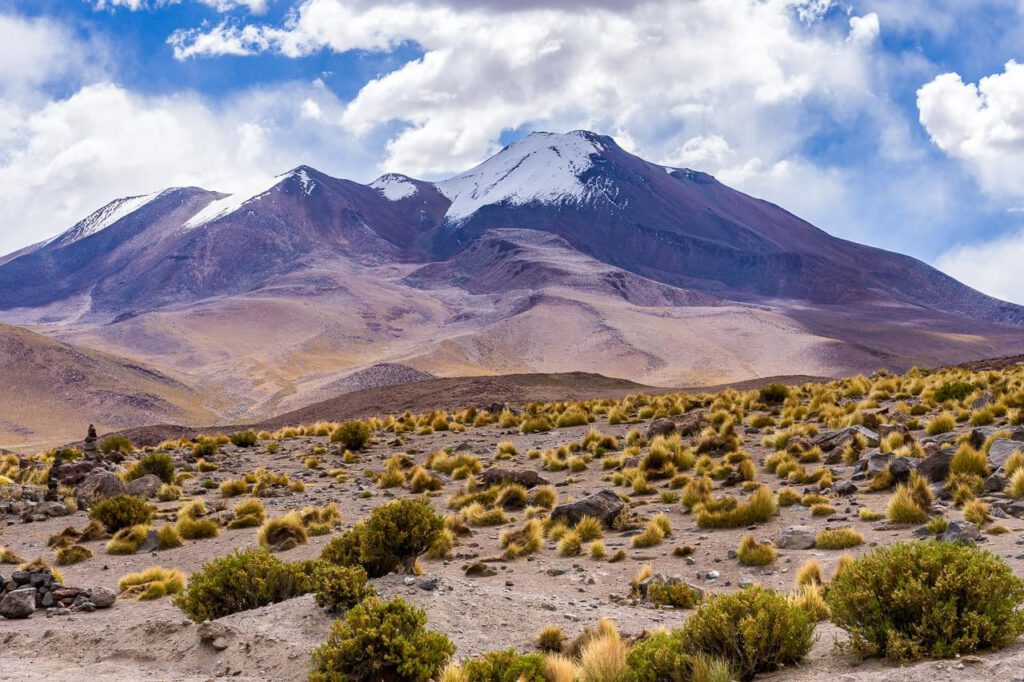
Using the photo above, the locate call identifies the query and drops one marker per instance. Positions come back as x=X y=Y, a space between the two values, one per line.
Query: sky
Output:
x=896 y=123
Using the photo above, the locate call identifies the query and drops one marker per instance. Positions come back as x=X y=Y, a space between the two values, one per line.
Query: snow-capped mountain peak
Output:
x=394 y=186
x=542 y=167
x=104 y=218
x=251 y=191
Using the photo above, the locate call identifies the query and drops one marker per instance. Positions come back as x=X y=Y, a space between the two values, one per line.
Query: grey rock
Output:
x=524 y=477
x=936 y=465
x=966 y=533
x=151 y=543
x=995 y=483
x=18 y=604
x=102 y=597
x=604 y=505
x=144 y=487
x=100 y=484
x=796 y=537
x=831 y=440
x=660 y=427
x=1000 y=451
x=844 y=488
x=901 y=468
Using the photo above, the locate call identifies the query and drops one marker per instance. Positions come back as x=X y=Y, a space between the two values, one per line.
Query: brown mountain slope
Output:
x=50 y=392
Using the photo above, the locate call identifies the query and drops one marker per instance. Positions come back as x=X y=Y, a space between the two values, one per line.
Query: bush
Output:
x=678 y=595
x=551 y=638
x=196 y=528
x=758 y=509
x=398 y=532
x=942 y=423
x=121 y=511
x=953 y=390
x=160 y=464
x=115 y=444
x=127 y=540
x=506 y=666
x=753 y=553
x=927 y=599
x=233 y=487
x=380 y=640
x=244 y=439
x=73 y=555
x=351 y=434
x=662 y=657
x=248 y=514
x=903 y=508
x=167 y=537
x=339 y=588
x=773 y=394
x=239 y=582
x=755 y=630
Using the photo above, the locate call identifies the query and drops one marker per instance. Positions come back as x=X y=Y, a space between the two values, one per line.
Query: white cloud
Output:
x=72 y=155
x=254 y=6
x=980 y=124
x=865 y=29
x=652 y=71
x=992 y=267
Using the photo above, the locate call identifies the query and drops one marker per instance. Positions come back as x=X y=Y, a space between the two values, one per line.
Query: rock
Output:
x=1000 y=451
x=873 y=464
x=844 y=488
x=796 y=537
x=901 y=468
x=995 y=483
x=936 y=465
x=18 y=604
x=478 y=569
x=52 y=509
x=689 y=423
x=73 y=473
x=830 y=440
x=151 y=543
x=524 y=477
x=983 y=400
x=144 y=487
x=99 y=484
x=217 y=635
x=660 y=427
x=966 y=533
x=604 y=505
x=102 y=597
x=429 y=584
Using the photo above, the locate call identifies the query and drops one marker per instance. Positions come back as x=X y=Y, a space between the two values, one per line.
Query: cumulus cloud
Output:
x=992 y=266
x=980 y=124
x=654 y=70
x=72 y=155
x=254 y=6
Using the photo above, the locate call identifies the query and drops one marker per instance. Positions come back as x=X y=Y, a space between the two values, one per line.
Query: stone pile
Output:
x=23 y=592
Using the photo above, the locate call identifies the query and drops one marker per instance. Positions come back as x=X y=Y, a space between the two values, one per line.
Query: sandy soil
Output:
x=154 y=641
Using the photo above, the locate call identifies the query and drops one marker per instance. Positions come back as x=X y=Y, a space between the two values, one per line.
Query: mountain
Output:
x=53 y=391
x=562 y=252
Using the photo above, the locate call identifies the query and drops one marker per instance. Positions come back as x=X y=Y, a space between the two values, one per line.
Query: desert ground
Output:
x=500 y=601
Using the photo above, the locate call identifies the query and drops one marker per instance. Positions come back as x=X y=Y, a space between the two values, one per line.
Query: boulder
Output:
x=1000 y=451
x=966 y=533
x=983 y=400
x=99 y=484
x=144 y=487
x=690 y=423
x=18 y=604
x=796 y=537
x=660 y=427
x=844 y=488
x=830 y=440
x=102 y=597
x=936 y=465
x=901 y=468
x=604 y=505
x=151 y=543
x=51 y=509
x=524 y=477
x=73 y=473
x=995 y=483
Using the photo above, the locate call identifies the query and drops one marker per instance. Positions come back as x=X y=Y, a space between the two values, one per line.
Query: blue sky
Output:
x=898 y=123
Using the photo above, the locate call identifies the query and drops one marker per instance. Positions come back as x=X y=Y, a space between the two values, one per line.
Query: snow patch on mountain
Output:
x=104 y=218
x=542 y=167
x=218 y=208
x=308 y=183
x=394 y=186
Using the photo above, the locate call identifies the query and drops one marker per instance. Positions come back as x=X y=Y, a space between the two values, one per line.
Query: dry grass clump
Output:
x=74 y=554
x=976 y=512
x=321 y=520
x=967 y=460
x=943 y=423
x=522 y=542
x=752 y=553
x=233 y=487
x=597 y=550
x=603 y=658
x=903 y=508
x=153 y=583
x=192 y=525
x=279 y=534
x=724 y=514
x=167 y=537
x=128 y=540
x=248 y=514
x=551 y=638
x=810 y=573
x=838 y=538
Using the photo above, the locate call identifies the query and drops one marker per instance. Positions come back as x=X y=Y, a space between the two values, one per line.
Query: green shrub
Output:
x=662 y=657
x=115 y=444
x=352 y=434
x=773 y=394
x=160 y=464
x=755 y=630
x=121 y=511
x=678 y=595
x=390 y=538
x=239 y=582
x=506 y=666
x=244 y=439
x=339 y=588
x=927 y=599
x=953 y=390
x=381 y=641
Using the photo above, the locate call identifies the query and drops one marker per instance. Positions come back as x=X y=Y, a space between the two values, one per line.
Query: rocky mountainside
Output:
x=563 y=252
